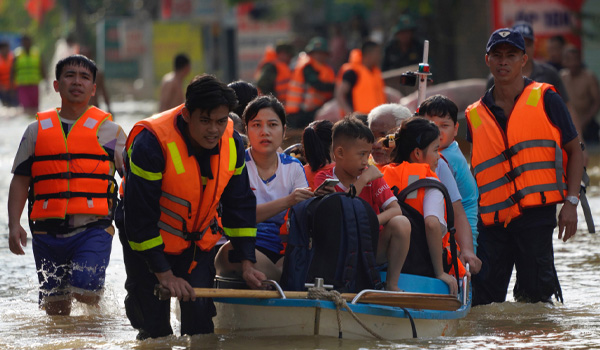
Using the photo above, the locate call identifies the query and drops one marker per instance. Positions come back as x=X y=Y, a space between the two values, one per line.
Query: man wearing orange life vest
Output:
x=526 y=158
x=360 y=87
x=311 y=85
x=273 y=72
x=65 y=166
x=7 y=97
x=182 y=165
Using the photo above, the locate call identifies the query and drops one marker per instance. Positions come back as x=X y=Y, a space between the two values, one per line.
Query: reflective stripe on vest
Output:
x=189 y=201
x=282 y=81
x=27 y=67
x=524 y=167
x=74 y=176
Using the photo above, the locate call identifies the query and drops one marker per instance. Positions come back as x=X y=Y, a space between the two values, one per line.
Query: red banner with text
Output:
x=547 y=17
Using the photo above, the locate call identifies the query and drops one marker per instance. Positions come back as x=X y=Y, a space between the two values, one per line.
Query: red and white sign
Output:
x=254 y=36
x=548 y=18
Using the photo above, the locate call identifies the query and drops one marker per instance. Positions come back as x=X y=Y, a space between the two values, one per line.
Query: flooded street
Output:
x=574 y=325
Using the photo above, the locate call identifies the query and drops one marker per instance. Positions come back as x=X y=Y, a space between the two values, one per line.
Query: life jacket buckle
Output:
x=512 y=175
x=215 y=228
x=64 y=156
x=516 y=198
x=66 y=175
x=508 y=153
x=195 y=236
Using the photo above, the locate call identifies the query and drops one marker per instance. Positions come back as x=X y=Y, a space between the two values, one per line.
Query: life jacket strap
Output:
x=71 y=156
x=69 y=175
x=510 y=152
x=189 y=236
x=514 y=173
x=69 y=194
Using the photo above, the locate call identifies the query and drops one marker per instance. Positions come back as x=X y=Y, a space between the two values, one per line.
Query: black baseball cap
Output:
x=508 y=36
x=525 y=29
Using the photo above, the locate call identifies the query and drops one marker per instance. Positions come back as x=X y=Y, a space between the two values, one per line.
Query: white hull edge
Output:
x=258 y=321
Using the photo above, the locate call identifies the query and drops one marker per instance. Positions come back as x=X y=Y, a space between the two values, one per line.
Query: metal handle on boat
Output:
x=465 y=289
x=377 y=291
x=277 y=287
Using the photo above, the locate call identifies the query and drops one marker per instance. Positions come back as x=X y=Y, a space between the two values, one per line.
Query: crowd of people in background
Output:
x=210 y=165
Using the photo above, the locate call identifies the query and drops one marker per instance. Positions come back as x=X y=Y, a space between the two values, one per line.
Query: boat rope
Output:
x=340 y=303
x=412 y=322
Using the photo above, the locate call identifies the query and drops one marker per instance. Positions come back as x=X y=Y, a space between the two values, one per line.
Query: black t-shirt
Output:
x=350 y=77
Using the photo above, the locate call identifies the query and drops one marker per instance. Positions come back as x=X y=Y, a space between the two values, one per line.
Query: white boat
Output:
x=302 y=316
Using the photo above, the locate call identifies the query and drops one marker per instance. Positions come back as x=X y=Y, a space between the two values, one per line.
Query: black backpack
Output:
x=418 y=260
x=333 y=237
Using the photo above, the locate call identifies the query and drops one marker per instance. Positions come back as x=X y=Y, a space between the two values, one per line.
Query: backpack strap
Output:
x=367 y=248
x=351 y=231
x=430 y=183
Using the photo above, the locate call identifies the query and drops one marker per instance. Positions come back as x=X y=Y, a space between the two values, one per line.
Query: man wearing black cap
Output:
x=526 y=159
x=533 y=69
x=404 y=49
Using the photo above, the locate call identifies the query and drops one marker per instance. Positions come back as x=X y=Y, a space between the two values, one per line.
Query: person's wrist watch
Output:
x=572 y=199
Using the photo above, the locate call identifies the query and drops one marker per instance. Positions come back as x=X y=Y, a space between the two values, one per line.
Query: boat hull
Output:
x=276 y=317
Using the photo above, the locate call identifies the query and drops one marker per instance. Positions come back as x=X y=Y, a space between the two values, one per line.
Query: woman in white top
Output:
x=277 y=180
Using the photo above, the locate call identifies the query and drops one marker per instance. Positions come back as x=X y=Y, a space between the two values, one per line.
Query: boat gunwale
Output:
x=368 y=309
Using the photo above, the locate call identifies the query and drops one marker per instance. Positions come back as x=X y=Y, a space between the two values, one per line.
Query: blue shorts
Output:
x=67 y=263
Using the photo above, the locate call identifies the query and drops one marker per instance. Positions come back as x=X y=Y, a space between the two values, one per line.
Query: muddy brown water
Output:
x=572 y=325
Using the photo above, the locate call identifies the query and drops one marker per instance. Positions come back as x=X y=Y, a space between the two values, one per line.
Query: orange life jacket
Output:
x=302 y=96
x=284 y=74
x=189 y=200
x=5 y=69
x=404 y=174
x=369 y=90
x=523 y=167
x=72 y=174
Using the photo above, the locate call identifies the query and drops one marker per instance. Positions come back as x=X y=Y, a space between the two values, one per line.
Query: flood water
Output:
x=574 y=325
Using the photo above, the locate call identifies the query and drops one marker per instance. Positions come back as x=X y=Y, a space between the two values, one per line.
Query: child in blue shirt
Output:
x=443 y=112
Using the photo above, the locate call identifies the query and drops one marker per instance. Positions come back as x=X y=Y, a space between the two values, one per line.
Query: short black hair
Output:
x=262 y=102
x=368 y=46
x=316 y=141
x=4 y=43
x=238 y=123
x=284 y=48
x=245 y=93
x=360 y=116
x=352 y=128
x=415 y=132
x=76 y=60
x=181 y=61
x=439 y=106
x=206 y=93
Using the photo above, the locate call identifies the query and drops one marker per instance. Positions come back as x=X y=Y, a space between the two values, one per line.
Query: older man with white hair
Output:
x=384 y=120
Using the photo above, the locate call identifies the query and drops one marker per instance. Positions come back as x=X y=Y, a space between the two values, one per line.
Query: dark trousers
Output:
x=524 y=244
x=152 y=316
